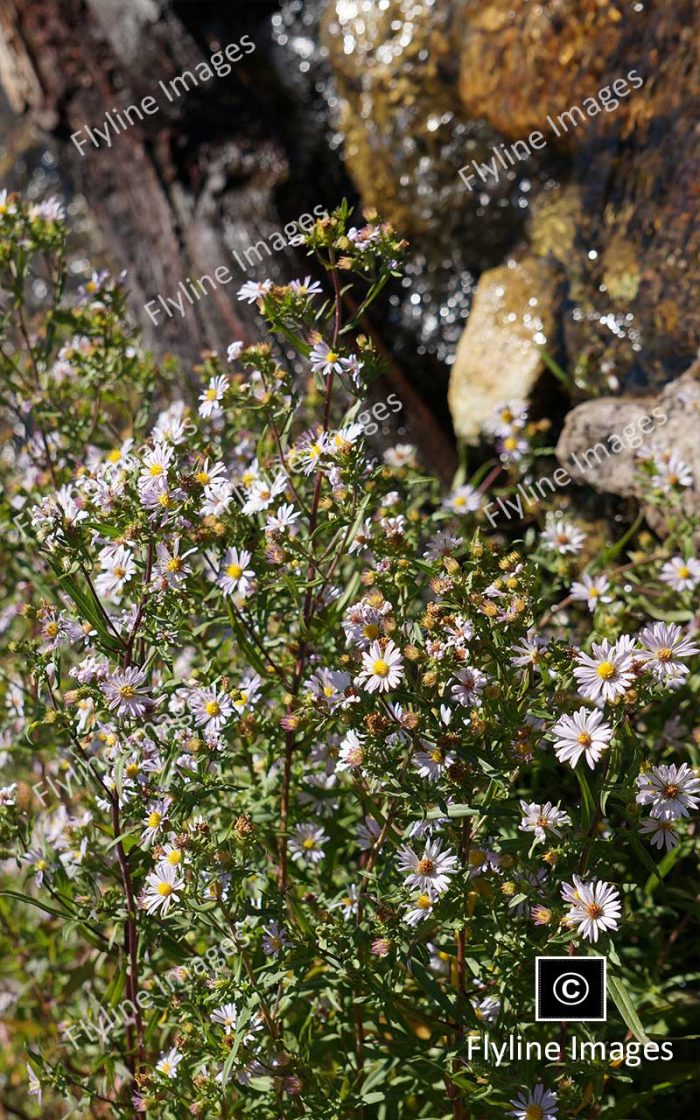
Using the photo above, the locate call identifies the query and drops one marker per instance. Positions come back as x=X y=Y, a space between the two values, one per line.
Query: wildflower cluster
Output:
x=319 y=719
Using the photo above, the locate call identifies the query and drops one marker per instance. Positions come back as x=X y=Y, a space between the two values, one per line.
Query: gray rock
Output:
x=592 y=455
x=498 y=357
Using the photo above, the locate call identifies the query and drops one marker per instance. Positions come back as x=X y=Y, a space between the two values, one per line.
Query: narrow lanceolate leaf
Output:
x=623 y=1001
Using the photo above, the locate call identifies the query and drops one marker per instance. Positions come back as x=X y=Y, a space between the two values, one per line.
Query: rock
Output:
x=428 y=87
x=405 y=132
x=520 y=62
x=498 y=357
x=586 y=445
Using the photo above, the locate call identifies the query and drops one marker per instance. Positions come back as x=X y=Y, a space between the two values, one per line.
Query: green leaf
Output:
x=623 y=1002
x=35 y=902
x=586 y=796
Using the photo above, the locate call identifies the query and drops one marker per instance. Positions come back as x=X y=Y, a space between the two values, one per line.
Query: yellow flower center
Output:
x=328 y=690
x=51 y=629
x=153 y=820
x=174 y=857
x=510 y=443
x=165 y=889
x=424 y=902
x=683 y=572
x=436 y=755
x=132 y=769
x=174 y=564
x=331 y=356
x=41 y=865
x=459 y=501
x=664 y=654
x=534 y=1112
x=119 y=573
x=202 y=477
x=606 y=670
x=594 y=910
x=164 y=500
x=370 y=630
x=308 y=843
x=210 y=394
x=212 y=708
x=584 y=739
x=155 y=470
x=127 y=691
x=114 y=456
x=235 y=571
x=380 y=668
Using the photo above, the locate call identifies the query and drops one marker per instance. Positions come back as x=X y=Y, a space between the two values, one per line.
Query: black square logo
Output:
x=570 y=989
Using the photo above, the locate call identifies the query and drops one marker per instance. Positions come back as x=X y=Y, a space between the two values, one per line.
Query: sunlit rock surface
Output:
x=498 y=357
x=585 y=438
x=426 y=87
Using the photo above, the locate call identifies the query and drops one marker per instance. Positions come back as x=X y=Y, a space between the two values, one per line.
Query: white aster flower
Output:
x=352 y=752
x=680 y=574
x=670 y=790
x=400 y=455
x=167 y=1063
x=170 y=565
x=542 y=818
x=442 y=544
x=595 y=906
x=673 y=471
x=253 y=290
x=7 y=795
x=469 y=686
x=125 y=694
x=465 y=499
x=432 y=761
x=324 y=360
x=430 y=872
x=591 y=590
x=368 y=832
x=235 y=575
x=210 y=707
x=162 y=888
x=262 y=494
x=329 y=686
x=212 y=396
x=583 y=733
x=282 y=519
x=488 y=1009
x=306 y=287
x=528 y=651
x=118 y=567
x=154 y=820
x=306 y=843
x=561 y=536
x=663 y=647
x=226 y=1015
x=275 y=939
x=382 y=668
x=34 y=1089
x=662 y=834
x=422 y=907
x=606 y=673
x=540 y=1104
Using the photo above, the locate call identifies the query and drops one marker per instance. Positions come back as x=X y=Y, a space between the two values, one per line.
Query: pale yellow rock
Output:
x=497 y=357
